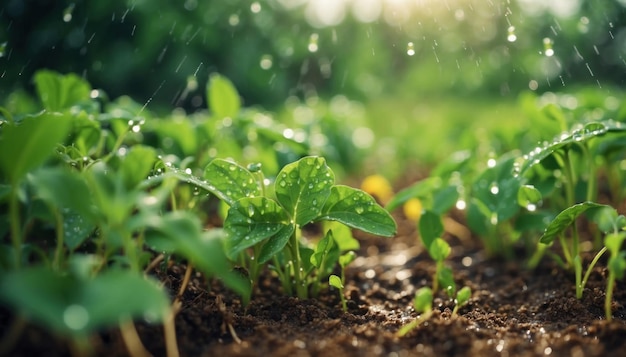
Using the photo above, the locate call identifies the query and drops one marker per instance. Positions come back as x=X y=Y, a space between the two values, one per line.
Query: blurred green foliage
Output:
x=164 y=51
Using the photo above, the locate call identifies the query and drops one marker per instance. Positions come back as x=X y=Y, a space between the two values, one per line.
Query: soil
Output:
x=514 y=311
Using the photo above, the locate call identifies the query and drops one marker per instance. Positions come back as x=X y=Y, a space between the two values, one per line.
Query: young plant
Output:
x=616 y=267
x=431 y=229
x=337 y=282
x=423 y=304
x=612 y=223
x=570 y=243
x=461 y=299
x=263 y=227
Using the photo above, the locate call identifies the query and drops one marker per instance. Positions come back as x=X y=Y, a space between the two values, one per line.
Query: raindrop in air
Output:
x=313 y=47
x=410 y=49
x=547 y=46
x=511 y=36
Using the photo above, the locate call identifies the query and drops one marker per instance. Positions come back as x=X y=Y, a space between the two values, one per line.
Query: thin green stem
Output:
x=413 y=324
x=566 y=252
x=609 y=296
x=593 y=263
x=301 y=288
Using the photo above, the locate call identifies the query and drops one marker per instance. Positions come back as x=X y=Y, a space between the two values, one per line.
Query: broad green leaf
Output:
x=497 y=189
x=359 y=210
x=70 y=306
x=430 y=227
x=222 y=97
x=25 y=146
x=63 y=188
x=251 y=221
x=565 y=219
x=439 y=249
x=276 y=243
x=76 y=228
x=577 y=136
x=528 y=196
x=423 y=300
x=58 y=91
x=444 y=199
x=417 y=190
x=230 y=182
x=335 y=281
x=137 y=164
x=302 y=188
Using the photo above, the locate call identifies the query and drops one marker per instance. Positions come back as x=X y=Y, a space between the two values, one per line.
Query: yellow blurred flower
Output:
x=413 y=209
x=379 y=187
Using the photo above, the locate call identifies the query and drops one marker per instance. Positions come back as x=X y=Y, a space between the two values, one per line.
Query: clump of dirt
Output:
x=514 y=311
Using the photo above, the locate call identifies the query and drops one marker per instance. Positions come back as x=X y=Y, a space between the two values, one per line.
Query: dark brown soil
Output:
x=513 y=312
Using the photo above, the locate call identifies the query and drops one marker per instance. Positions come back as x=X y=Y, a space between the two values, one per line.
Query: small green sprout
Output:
x=571 y=247
x=609 y=220
x=462 y=298
x=431 y=229
x=423 y=304
x=337 y=282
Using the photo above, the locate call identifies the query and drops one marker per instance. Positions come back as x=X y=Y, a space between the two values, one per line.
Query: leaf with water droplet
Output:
x=341 y=206
x=246 y=230
x=227 y=179
x=293 y=190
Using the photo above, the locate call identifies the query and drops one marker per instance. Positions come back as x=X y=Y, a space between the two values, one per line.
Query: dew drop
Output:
x=76 y=317
x=410 y=49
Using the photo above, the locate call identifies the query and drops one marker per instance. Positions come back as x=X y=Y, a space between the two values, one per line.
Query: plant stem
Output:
x=131 y=339
x=590 y=268
x=413 y=324
x=609 y=296
x=169 y=331
x=301 y=288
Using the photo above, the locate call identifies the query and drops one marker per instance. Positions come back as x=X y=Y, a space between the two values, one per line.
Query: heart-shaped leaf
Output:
x=302 y=188
x=251 y=221
x=359 y=210
x=229 y=181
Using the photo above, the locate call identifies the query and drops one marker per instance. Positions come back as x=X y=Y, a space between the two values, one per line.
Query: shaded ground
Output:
x=513 y=312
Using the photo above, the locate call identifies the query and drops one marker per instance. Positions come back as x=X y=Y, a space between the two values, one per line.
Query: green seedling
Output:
x=431 y=229
x=616 y=267
x=263 y=227
x=423 y=304
x=570 y=243
x=337 y=281
x=612 y=223
x=461 y=299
